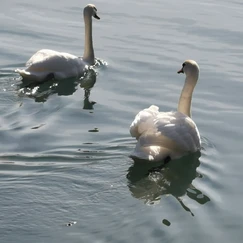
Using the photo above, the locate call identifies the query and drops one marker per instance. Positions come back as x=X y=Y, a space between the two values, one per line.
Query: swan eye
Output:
x=183 y=65
x=95 y=9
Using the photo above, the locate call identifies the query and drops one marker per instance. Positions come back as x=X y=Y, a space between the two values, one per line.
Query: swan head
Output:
x=190 y=68
x=90 y=10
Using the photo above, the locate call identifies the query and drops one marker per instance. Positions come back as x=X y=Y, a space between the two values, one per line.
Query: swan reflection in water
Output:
x=175 y=179
x=41 y=91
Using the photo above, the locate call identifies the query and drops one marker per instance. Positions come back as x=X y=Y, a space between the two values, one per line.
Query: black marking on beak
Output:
x=96 y=16
x=181 y=70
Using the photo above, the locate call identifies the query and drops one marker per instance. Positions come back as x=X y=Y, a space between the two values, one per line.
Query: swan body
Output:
x=46 y=64
x=162 y=135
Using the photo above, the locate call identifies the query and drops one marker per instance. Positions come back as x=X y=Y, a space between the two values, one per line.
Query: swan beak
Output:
x=180 y=71
x=96 y=16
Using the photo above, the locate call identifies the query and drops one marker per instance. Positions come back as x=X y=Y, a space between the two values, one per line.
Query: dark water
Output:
x=64 y=147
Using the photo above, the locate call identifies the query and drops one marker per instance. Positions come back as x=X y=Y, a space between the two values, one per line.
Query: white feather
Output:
x=162 y=134
x=173 y=134
x=60 y=65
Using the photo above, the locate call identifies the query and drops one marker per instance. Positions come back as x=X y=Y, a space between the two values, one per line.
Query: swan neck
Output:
x=184 y=105
x=88 y=44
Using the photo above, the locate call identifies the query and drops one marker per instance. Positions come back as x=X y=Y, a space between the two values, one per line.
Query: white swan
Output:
x=168 y=135
x=46 y=64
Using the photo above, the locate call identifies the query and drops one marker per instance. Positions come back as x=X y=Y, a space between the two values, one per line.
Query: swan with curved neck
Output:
x=88 y=56
x=168 y=135
x=191 y=69
x=48 y=64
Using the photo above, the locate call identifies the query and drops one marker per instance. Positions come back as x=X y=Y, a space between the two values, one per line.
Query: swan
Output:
x=164 y=136
x=47 y=64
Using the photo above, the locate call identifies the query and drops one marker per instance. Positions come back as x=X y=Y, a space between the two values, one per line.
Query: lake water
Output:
x=64 y=147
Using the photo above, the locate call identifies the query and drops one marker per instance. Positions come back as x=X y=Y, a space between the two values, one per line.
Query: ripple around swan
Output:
x=187 y=178
x=41 y=92
x=174 y=179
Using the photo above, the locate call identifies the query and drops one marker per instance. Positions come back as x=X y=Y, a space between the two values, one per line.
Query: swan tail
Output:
x=150 y=153
x=32 y=76
x=156 y=147
x=154 y=153
x=23 y=72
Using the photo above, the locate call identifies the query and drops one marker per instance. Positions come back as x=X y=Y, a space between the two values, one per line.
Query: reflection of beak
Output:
x=180 y=71
x=96 y=16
